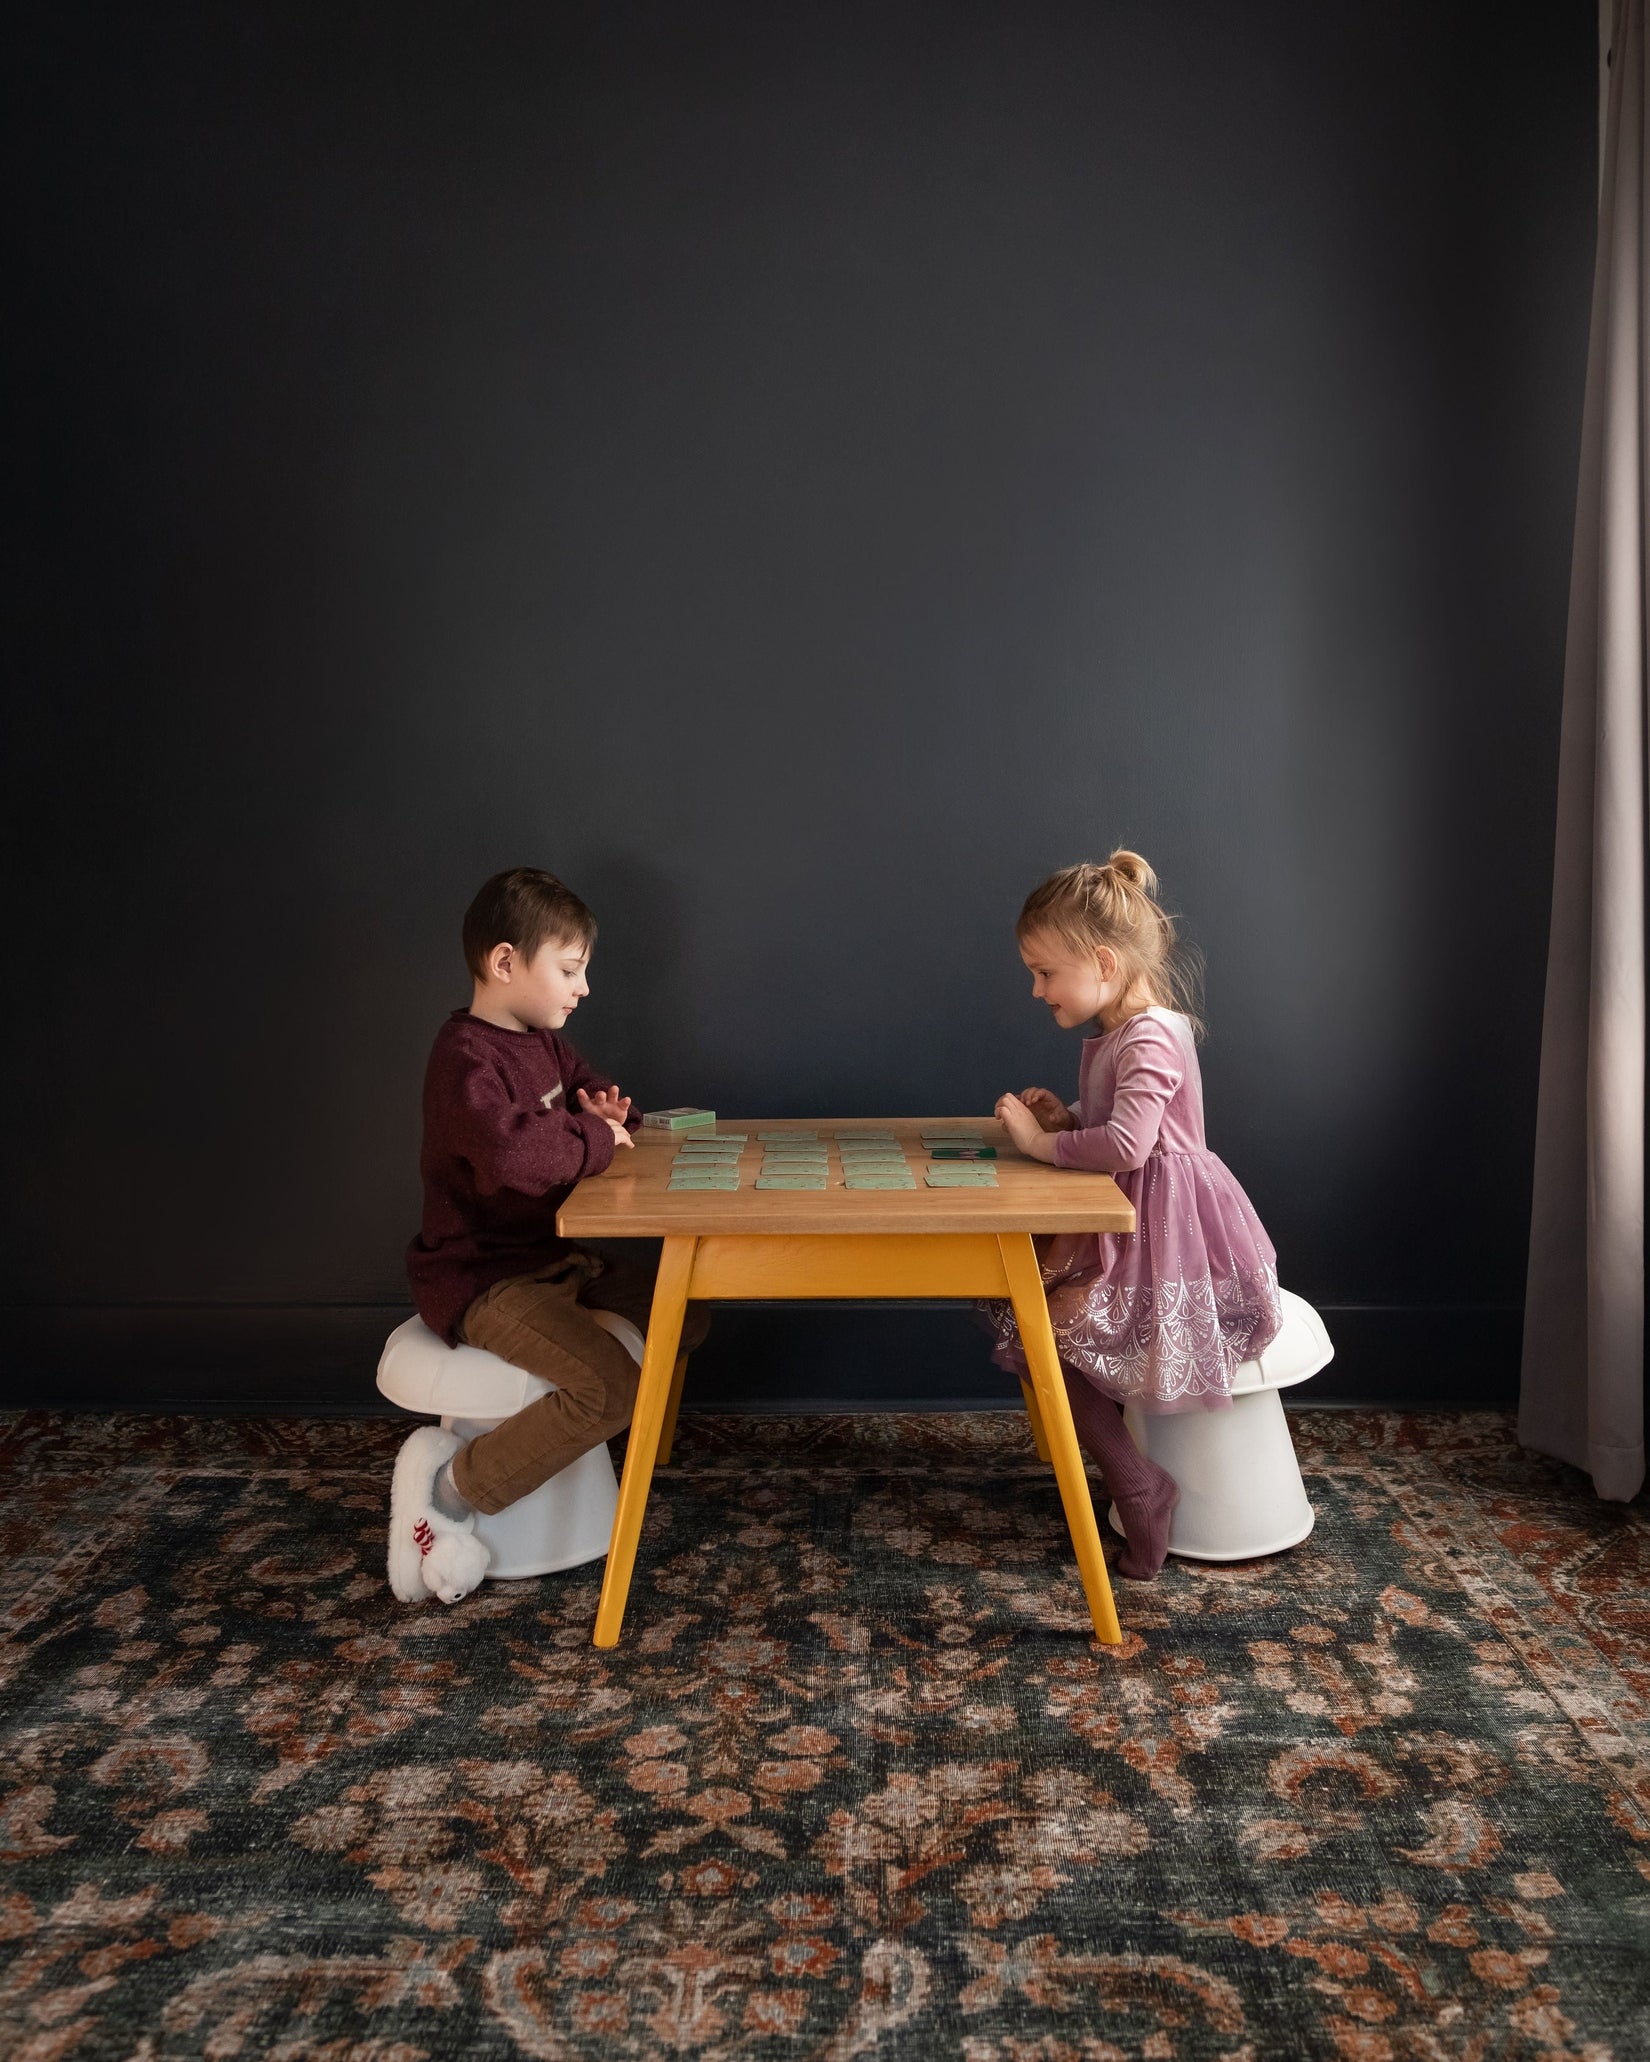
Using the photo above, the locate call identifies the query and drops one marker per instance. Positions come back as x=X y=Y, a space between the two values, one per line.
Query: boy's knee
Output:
x=600 y=1381
x=618 y=1392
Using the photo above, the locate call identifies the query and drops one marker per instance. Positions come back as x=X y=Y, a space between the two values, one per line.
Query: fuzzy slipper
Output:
x=430 y=1555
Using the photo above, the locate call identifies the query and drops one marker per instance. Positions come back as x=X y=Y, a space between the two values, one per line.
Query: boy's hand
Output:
x=1026 y=1132
x=609 y=1104
x=621 y=1137
x=1048 y=1109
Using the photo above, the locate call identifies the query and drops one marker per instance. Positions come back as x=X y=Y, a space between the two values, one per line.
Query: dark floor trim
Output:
x=311 y=1359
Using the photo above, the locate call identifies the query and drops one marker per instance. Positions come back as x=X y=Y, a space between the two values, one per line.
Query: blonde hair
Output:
x=1086 y=907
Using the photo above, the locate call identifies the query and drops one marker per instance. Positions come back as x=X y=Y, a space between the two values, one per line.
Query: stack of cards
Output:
x=792 y=1160
x=710 y=1161
x=683 y=1118
x=873 y=1160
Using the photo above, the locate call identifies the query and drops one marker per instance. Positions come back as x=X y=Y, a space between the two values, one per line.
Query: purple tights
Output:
x=1144 y=1493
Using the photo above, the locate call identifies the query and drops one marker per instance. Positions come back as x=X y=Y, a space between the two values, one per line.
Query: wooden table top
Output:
x=630 y=1199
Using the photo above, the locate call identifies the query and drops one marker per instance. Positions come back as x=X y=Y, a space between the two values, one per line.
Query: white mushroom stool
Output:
x=565 y=1521
x=1241 y=1494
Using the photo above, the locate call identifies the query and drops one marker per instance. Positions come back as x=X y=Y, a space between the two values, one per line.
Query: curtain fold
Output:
x=1582 y=1395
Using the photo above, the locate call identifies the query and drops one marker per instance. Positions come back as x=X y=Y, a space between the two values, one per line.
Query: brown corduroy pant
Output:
x=542 y=1322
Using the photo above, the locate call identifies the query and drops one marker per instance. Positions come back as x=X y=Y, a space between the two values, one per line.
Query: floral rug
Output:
x=855 y=1783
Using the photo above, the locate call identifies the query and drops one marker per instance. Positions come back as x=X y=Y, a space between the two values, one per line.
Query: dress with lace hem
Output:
x=1161 y=1317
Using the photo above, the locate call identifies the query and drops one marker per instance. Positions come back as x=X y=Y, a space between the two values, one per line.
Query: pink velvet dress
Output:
x=1163 y=1317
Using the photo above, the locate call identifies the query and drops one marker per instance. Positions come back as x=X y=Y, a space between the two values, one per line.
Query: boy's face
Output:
x=537 y=994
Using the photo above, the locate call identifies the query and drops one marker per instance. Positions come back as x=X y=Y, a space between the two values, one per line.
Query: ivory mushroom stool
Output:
x=565 y=1521
x=1241 y=1494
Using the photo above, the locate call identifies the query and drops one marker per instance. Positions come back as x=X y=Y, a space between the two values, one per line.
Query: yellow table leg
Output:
x=1025 y=1288
x=1039 y=1438
x=664 y=1335
x=667 y=1437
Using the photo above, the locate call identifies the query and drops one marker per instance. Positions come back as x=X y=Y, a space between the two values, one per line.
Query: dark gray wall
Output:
x=801 y=473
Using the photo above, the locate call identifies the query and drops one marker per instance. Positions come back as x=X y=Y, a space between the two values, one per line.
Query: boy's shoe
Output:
x=430 y=1555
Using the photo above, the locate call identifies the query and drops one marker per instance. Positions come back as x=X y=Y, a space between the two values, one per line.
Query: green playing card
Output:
x=799 y=1155
x=880 y=1181
x=687 y=1158
x=871 y=1152
x=961 y=1177
x=809 y=1137
x=725 y=1183
x=790 y=1181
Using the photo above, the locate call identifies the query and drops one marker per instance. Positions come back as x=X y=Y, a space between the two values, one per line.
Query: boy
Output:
x=512 y=1118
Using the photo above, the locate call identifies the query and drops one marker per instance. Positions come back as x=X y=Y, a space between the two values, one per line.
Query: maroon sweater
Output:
x=504 y=1141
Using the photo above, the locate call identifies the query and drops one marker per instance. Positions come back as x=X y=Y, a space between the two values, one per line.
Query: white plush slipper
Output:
x=456 y=1562
x=430 y=1555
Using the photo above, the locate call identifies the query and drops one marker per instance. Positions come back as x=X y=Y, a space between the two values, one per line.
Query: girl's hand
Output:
x=1048 y=1109
x=621 y=1137
x=1021 y=1126
x=609 y=1104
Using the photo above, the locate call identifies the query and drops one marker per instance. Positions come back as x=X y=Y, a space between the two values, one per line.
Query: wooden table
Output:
x=722 y=1246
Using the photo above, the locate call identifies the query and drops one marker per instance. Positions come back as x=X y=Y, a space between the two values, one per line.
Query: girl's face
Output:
x=1076 y=990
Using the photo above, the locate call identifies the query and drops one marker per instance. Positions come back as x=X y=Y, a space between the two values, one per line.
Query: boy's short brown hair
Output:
x=526 y=908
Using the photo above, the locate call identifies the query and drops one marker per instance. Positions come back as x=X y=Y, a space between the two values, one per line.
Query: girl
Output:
x=1161 y=1318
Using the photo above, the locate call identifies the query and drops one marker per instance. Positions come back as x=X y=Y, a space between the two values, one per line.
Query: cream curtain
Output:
x=1583 y=1378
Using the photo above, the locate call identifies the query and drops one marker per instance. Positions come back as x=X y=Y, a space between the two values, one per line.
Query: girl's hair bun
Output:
x=1132 y=871
x=1115 y=906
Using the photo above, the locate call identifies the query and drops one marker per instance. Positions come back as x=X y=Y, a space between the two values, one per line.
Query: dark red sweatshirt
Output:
x=504 y=1140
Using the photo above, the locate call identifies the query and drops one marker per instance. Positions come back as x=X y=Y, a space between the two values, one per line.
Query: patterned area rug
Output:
x=856 y=1782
